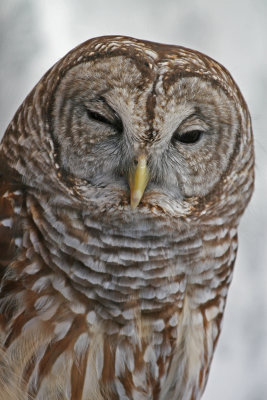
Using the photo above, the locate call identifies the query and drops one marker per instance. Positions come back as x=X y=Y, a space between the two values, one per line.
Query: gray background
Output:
x=35 y=34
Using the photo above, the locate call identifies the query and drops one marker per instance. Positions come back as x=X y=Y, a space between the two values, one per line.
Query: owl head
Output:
x=137 y=125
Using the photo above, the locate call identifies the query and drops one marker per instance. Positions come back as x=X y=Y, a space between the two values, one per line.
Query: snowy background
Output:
x=34 y=34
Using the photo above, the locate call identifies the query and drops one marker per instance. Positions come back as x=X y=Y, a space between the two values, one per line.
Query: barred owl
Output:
x=124 y=175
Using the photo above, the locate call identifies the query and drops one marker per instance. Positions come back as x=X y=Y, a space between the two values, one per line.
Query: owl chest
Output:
x=149 y=334
x=165 y=362
x=149 y=346
x=115 y=318
x=160 y=360
x=164 y=359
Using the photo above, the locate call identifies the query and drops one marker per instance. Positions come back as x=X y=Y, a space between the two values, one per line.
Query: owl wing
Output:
x=10 y=205
x=10 y=243
x=12 y=316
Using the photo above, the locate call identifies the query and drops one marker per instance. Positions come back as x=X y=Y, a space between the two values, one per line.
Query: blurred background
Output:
x=35 y=34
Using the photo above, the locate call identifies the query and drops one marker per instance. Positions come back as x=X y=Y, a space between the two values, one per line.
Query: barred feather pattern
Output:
x=99 y=301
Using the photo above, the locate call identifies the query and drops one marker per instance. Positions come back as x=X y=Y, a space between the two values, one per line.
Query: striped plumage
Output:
x=101 y=300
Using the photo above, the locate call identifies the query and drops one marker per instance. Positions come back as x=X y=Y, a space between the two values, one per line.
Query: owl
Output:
x=124 y=175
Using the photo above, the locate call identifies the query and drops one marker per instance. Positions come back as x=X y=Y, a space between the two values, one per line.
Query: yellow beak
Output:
x=138 y=179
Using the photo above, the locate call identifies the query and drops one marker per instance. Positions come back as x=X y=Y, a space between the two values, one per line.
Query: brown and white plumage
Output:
x=101 y=300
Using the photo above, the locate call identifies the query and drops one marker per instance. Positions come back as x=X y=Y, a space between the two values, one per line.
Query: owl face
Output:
x=109 y=112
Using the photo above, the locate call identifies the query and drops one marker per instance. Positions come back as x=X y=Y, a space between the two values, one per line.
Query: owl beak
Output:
x=138 y=179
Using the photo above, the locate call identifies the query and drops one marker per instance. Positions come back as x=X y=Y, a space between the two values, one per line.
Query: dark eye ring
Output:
x=187 y=137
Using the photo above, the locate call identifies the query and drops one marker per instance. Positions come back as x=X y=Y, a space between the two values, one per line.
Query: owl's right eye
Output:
x=112 y=119
x=98 y=117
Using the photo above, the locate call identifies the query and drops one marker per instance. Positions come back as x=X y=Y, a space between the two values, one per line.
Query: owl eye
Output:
x=187 y=137
x=98 y=117
x=116 y=122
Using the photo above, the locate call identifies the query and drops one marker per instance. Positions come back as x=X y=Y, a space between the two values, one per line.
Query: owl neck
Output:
x=131 y=259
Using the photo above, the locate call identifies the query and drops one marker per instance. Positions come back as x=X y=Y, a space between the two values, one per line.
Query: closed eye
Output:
x=115 y=122
x=98 y=117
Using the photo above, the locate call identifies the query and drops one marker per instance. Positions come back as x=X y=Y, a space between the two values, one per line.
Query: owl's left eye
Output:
x=187 y=137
